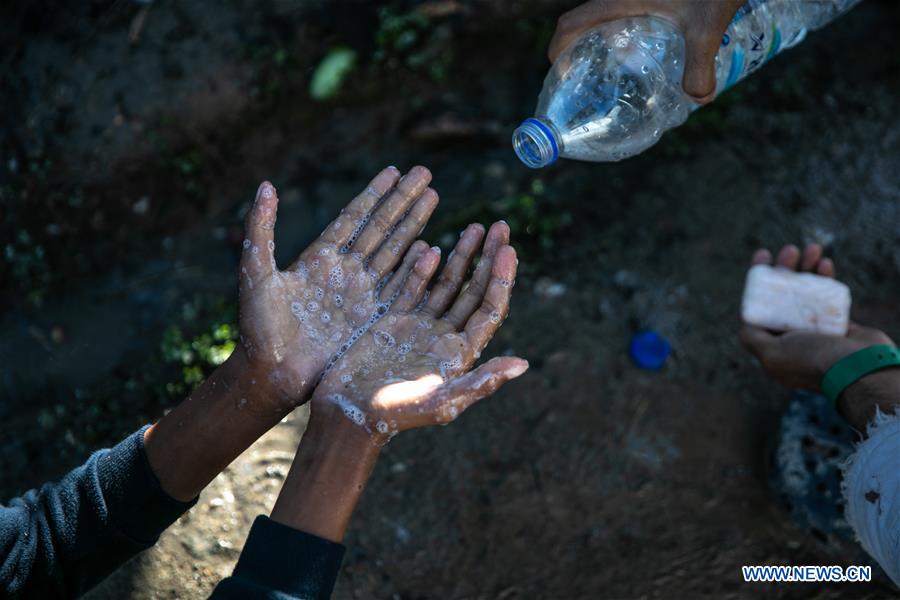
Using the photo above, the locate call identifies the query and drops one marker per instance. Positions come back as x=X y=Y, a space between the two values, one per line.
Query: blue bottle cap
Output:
x=535 y=144
x=649 y=350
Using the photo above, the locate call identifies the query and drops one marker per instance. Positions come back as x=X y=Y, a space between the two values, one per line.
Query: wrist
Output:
x=220 y=419
x=273 y=390
x=252 y=375
x=331 y=435
x=879 y=390
x=329 y=473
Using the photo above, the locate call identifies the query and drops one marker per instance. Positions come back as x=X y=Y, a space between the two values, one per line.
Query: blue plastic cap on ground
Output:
x=649 y=350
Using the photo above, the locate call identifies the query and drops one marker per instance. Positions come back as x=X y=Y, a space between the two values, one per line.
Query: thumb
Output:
x=700 y=50
x=758 y=341
x=868 y=335
x=855 y=330
x=452 y=398
x=258 y=258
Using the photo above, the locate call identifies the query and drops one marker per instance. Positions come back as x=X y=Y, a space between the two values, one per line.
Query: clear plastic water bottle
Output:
x=612 y=93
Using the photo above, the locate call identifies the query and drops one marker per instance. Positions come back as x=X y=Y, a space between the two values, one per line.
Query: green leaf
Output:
x=329 y=75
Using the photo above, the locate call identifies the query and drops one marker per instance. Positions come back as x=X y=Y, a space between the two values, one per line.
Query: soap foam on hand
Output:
x=780 y=299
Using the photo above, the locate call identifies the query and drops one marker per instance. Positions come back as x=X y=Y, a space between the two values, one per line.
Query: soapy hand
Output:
x=702 y=21
x=800 y=359
x=412 y=367
x=293 y=321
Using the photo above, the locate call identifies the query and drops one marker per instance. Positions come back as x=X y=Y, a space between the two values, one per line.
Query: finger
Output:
x=454 y=273
x=758 y=341
x=812 y=254
x=869 y=335
x=862 y=332
x=449 y=400
x=471 y=296
x=391 y=210
x=704 y=25
x=761 y=257
x=571 y=25
x=344 y=229
x=391 y=251
x=825 y=267
x=414 y=288
x=392 y=287
x=701 y=47
x=482 y=325
x=854 y=329
x=258 y=258
x=789 y=257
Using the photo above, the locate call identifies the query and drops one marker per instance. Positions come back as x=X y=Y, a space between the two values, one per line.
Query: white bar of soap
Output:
x=780 y=299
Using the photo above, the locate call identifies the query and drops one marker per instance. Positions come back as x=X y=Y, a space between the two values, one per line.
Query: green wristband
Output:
x=854 y=367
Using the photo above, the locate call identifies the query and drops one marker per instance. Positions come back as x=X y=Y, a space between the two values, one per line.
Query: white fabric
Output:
x=872 y=493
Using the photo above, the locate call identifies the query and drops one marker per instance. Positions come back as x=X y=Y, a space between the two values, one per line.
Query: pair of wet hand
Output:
x=358 y=317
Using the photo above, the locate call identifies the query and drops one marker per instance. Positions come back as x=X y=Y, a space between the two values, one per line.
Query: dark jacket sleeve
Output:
x=281 y=563
x=61 y=540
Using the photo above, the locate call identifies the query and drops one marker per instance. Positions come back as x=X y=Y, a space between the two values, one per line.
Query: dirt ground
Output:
x=134 y=137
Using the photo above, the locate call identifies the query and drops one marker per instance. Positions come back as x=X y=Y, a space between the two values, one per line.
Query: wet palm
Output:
x=410 y=368
x=300 y=319
x=292 y=322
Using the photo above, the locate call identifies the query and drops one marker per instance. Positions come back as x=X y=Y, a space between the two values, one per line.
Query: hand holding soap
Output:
x=780 y=299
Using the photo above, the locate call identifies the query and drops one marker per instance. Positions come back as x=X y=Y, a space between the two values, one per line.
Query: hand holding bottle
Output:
x=703 y=23
x=626 y=72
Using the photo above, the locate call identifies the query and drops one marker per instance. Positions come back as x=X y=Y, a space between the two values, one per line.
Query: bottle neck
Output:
x=535 y=144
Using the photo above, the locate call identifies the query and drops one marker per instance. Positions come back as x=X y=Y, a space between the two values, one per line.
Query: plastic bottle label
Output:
x=737 y=67
x=763 y=46
x=745 y=9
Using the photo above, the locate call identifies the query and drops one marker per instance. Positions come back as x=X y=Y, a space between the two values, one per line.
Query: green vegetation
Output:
x=539 y=31
x=197 y=355
x=203 y=336
x=409 y=39
x=329 y=76
x=40 y=169
x=26 y=261
x=271 y=66
x=187 y=167
x=528 y=212
x=536 y=224
x=203 y=339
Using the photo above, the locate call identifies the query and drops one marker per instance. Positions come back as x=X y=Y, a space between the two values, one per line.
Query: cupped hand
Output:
x=412 y=367
x=703 y=23
x=293 y=321
x=800 y=359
